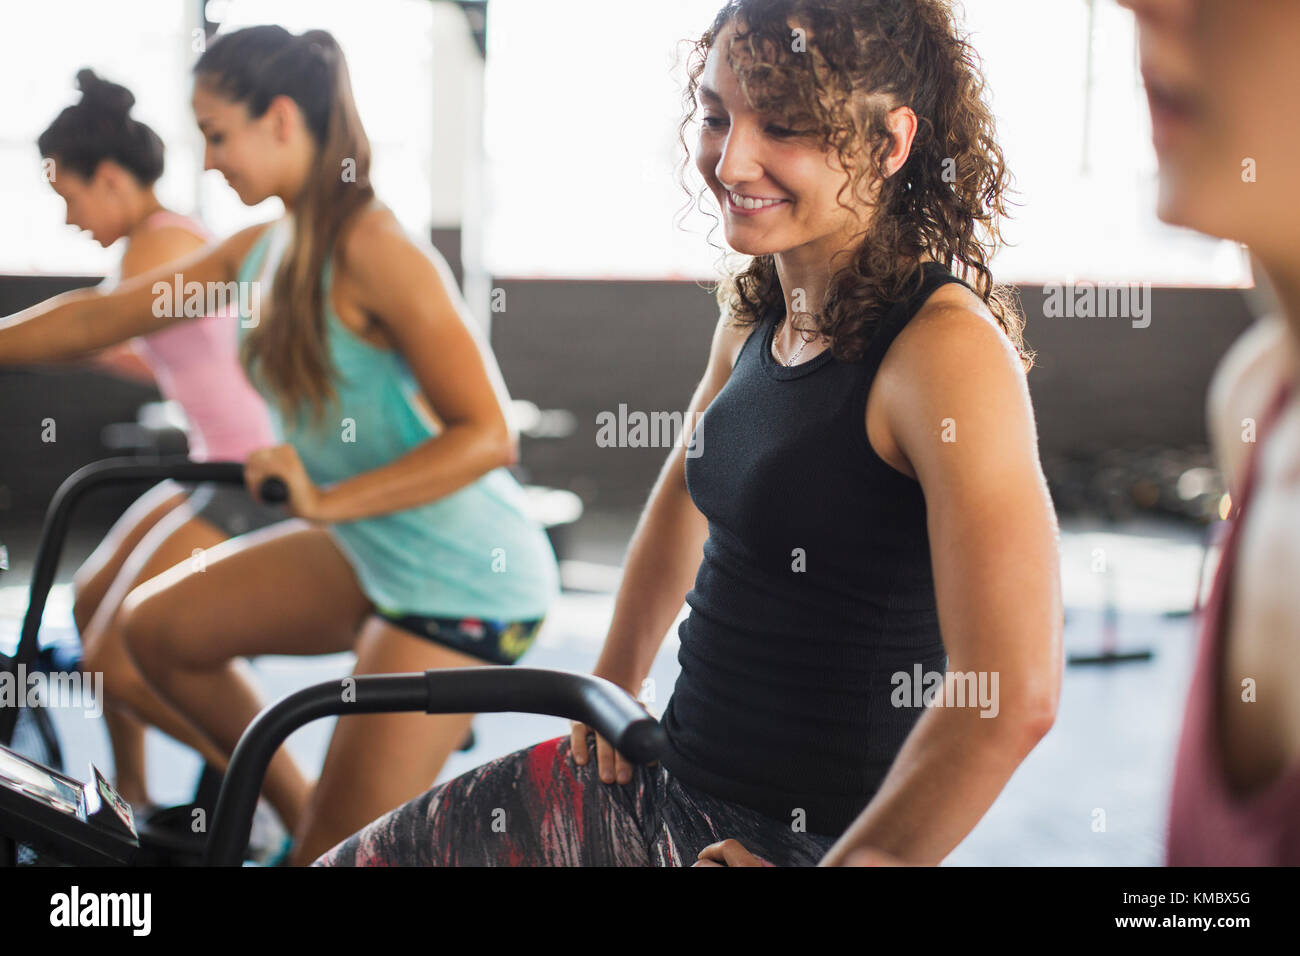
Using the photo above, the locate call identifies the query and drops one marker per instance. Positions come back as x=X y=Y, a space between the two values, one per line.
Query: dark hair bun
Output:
x=103 y=95
x=101 y=127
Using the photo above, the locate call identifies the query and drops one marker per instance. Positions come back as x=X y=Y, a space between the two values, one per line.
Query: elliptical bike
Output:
x=28 y=729
x=57 y=818
x=87 y=824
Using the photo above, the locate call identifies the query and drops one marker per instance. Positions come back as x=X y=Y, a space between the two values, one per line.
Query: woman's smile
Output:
x=740 y=204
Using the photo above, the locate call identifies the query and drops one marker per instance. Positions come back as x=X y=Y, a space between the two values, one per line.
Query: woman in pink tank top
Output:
x=105 y=167
x=1215 y=71
x=1210 y=824
x=196 y=365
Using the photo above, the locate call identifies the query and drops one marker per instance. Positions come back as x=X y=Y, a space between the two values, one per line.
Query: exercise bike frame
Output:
x=54 y=533
x=606 y=707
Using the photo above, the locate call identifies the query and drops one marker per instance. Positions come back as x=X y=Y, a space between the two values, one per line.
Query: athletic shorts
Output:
x=230 y=508
x=536 y=807
x=491 y=640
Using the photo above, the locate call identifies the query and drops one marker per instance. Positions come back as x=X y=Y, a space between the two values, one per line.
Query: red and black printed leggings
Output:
x=536 y=807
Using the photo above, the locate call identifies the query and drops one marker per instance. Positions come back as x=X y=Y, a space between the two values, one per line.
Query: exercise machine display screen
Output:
x=105 y=808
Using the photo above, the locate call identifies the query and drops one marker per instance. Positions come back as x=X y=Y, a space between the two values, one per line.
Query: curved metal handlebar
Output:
x=112 y=471
x=609 y=709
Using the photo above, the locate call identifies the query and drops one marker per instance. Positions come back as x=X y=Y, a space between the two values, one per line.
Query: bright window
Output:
x=582 y=106
x=148 y=46
x=582 y=100
x=42 y=46
x=1083 y=160
x=388 y=45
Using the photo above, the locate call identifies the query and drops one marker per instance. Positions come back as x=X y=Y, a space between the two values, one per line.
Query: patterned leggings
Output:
x=536 y=807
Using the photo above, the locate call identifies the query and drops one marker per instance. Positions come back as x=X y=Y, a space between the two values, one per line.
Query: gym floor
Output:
x=1111 y=749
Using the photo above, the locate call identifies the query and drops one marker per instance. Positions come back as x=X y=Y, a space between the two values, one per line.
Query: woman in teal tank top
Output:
x=407 y=540
x=453 y=557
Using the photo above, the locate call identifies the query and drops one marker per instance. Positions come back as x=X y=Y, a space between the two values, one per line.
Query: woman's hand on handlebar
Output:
x=282 y=461
x=611 y=764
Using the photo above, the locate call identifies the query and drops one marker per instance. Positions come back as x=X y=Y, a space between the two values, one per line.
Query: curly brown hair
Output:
x=858 y=60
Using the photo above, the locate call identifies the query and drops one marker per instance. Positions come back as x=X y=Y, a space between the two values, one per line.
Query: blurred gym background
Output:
x=535 y=145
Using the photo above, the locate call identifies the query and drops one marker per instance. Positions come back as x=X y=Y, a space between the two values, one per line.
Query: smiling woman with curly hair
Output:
x=865 y=540
x=833 y=83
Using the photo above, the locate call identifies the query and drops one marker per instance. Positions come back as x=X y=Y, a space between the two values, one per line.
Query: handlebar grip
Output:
x=273 y=491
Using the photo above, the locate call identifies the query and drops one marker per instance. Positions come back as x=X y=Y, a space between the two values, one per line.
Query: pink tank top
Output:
x=1208 y=824
x=196 y=363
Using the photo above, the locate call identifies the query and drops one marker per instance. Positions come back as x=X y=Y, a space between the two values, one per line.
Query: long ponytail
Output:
x=252 y=66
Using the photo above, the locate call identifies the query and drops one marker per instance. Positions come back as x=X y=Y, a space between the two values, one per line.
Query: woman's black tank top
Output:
x=815 y=589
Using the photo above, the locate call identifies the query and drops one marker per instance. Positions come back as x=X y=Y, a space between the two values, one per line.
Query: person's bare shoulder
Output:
x=953 y=326
x=951 y=362
x=374 y=225
x=374 y=245
x=151 y=249
x=1244 y=382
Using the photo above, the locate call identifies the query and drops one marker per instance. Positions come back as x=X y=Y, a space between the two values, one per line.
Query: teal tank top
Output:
x=473 y=553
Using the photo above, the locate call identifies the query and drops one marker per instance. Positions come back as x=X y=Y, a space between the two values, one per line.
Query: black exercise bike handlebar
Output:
x=100 y=474
x=607 y=708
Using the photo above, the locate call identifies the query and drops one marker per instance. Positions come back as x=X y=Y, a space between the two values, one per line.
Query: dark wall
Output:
x=80 y=403
x=1101 y=383
x=587 y=346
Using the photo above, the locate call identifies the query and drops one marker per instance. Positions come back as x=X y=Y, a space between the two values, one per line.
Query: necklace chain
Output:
x=796 y=354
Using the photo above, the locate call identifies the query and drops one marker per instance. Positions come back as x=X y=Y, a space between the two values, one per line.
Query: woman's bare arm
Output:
x=155 y=248
x=960 y=413
x=410 y=295
x=1244 y=382
x=75 y=323
x=123 y=361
